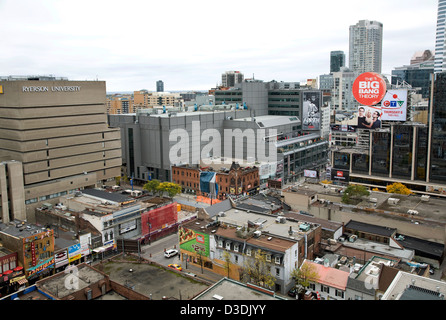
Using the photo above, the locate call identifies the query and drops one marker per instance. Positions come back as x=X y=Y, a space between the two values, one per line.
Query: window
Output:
x=236 y=259
x=220 y=243
x=268 y=257
x=228 y=245
x=339 y=293
x=277 y=260
x=277 y=272
x=248 y=252
x=325 y=289
x=236 y=247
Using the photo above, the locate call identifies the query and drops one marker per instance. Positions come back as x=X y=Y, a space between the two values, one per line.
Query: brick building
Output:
x=235 y=181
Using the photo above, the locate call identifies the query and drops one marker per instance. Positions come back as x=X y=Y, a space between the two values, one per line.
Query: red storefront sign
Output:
x=33 y=253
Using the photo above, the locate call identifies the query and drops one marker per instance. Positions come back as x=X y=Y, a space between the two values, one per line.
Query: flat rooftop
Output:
x=380 y=249
x=267 y=223
x=83 y=274
x=21 y=229
x=429 y=212
x=227 y=289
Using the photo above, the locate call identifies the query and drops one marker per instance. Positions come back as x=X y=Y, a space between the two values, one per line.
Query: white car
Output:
x=170 y=253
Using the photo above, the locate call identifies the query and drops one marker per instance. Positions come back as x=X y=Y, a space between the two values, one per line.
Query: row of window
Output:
x=250 y=252
x=50 y=196
x=326 y=289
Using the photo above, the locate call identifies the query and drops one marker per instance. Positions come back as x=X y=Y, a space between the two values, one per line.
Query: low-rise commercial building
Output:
x=229 y=239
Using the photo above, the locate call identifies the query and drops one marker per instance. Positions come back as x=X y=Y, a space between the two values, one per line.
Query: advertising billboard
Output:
x=369 y=88
x=194 y=241
x=338 y=175
x=342 y=128
x=369 y=117
x=310 y=173
x=311 y=114
x=394 y=105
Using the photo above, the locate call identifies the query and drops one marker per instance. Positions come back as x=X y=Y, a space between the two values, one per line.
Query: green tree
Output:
x=354 y=191
x=152 y=186
x=398 y=188
x=306 y=273
x=171 y=188
x=257 y=271
x=227 y=259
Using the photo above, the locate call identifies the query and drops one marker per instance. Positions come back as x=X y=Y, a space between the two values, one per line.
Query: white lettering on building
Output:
x=53 y=89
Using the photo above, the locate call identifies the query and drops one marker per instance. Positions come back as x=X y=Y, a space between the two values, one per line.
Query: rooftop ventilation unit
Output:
x=393 y=201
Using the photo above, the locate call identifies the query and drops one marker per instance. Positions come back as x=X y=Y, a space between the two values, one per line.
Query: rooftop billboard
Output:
x=394 y=105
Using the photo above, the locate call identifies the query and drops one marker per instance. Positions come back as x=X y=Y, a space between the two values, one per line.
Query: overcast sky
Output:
x=188 y=44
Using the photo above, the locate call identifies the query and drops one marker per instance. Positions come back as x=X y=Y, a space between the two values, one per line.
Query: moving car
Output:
x=170 y=253
x=175 y=266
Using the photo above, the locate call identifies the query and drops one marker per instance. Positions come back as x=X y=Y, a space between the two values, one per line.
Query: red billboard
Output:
x=369 y=88
x=159 y=218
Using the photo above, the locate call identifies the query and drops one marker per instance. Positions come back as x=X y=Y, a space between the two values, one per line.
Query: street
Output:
x=155 y=252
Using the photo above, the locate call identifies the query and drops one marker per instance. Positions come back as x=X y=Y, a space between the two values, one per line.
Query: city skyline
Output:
x=188 y=47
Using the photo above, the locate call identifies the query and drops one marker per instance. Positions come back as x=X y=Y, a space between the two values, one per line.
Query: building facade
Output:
x=236 y=180
x=58 y=131
x=365 y=46
x=34 y=247
x=440 y=39
x=231 y=78
x=418 y=75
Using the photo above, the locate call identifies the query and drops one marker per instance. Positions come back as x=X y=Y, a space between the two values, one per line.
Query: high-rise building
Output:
x=57 y=131
x=438 y=127
x=365 y=46
x=337 y=60
x=230 y=78
x=418 y=75
x=440 y=41
x=422 y=56
x=159 y=86
x=342 y=98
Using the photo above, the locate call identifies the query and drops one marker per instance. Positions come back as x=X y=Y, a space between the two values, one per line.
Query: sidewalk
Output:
x=205 y=275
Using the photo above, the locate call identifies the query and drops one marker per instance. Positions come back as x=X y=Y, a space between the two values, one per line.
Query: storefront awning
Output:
x=103 y=248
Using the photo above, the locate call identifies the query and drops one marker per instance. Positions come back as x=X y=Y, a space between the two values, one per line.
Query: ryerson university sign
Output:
x=53 y=89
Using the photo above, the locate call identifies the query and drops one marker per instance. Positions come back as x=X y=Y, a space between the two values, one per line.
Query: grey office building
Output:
x=159 y=86
x=147 y=138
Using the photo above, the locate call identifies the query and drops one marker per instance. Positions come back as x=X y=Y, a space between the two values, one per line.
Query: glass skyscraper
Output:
x=440 y=59
x=337 y=60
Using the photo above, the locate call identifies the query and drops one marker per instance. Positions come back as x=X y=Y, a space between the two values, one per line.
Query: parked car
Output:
x=293 y=292
x=170 y=253
x=431 y=269
x=175 y=266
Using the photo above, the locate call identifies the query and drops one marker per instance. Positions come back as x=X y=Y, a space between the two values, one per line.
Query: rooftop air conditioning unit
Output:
x=393 y=201
x=412 y=211
x=425 y=198
x=373 y=200
x=257 y=233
